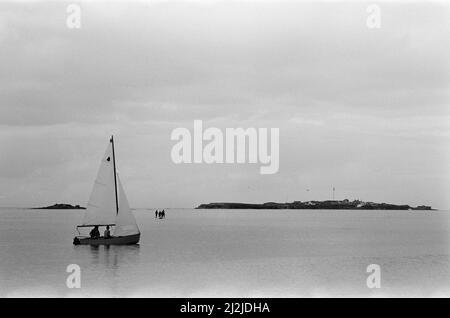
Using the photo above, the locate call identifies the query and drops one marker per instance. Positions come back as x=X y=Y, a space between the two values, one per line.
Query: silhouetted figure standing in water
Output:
x=156 y=214
x=163 y=214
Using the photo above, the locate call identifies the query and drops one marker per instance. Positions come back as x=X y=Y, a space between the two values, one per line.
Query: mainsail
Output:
x=101 y=208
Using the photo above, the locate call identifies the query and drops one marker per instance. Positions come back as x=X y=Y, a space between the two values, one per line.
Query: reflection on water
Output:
x=235 y=253
x=105 y=266
x=110 y=256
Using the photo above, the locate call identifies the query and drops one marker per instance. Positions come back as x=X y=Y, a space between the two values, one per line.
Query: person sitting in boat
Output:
x=95 y=232
x=107 y=233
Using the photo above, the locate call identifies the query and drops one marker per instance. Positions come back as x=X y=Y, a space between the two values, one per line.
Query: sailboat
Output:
x=108 y=206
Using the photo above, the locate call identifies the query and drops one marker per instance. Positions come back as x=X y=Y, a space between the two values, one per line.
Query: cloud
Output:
x=336 y=88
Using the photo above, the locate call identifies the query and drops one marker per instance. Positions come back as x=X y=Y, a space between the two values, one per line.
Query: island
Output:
x=61 y=206
x=324 y=205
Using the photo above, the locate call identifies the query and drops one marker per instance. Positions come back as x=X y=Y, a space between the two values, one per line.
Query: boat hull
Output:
x=119 y=240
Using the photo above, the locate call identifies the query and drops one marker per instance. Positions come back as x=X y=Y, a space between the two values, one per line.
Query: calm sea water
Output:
x=221 y=253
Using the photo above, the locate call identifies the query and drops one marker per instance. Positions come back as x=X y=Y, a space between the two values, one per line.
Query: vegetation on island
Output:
x=326 y=205
x=61 y=206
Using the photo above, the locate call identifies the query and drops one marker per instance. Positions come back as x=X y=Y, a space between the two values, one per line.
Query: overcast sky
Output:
x=364 y=110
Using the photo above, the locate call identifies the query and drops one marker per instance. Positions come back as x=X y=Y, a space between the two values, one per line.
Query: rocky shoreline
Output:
x=325 y=205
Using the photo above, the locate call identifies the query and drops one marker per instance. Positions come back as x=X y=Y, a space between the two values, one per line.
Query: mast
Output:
x=115 y=180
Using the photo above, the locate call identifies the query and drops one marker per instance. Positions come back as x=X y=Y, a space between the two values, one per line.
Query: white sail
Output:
x=101 y=207
x=125 y=221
